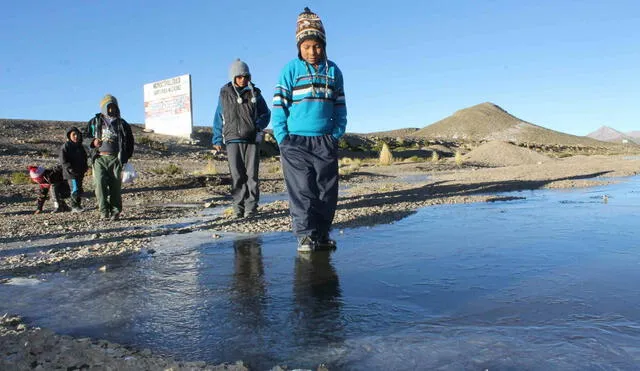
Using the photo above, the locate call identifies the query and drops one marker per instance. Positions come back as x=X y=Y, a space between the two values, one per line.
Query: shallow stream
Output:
x=544 y=283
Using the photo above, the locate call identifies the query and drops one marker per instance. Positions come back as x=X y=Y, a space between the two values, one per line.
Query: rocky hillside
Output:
x=488 y=122
x=612 y=135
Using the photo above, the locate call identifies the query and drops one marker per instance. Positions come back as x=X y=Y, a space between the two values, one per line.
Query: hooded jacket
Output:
x=239 y=122
x=125 y=137
x=73 y=157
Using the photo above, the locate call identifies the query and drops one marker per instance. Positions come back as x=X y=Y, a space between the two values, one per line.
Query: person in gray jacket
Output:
x=241 y=116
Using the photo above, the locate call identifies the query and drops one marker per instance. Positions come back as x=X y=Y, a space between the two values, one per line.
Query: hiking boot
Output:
x=76 y=209
x=306 y=244
x=251 y=214
x=104 y=216
x=115 y=216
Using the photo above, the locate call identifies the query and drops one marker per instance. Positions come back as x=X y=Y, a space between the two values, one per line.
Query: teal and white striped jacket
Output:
x=308 y=102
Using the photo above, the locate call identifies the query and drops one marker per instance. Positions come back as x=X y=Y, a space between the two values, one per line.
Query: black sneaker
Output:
x=306 y=244
x=325 y=242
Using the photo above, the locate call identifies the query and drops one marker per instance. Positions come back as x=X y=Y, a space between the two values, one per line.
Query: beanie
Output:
x=238 y=68
x=309 y=26
x=106 y=100
x=35 y=172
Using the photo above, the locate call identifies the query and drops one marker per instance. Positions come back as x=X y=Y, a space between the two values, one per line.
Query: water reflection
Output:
x=248 y=291
x=544 y=283
x=317 y=301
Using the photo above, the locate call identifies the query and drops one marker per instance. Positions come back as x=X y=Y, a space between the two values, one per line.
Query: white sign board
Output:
x=167 y=106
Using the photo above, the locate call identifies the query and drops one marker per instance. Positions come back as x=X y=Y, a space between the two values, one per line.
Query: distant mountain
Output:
x=634 y=134
x=487 y=122
x=607 y=134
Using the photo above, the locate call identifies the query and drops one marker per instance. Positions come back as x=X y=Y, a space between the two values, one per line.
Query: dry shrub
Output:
x=435 y=157
x=458 y=158
x=211 y=168
x=20 y=178
x=275 y=169
x=386 y=157
x=348 y=165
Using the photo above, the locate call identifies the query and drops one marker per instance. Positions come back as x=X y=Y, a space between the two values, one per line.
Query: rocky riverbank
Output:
x=184 y=188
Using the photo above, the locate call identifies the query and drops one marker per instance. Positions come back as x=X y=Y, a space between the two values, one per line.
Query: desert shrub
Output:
x=171 y=169
x=348 y=165
x=414 y=159
x=435 y=157
x=378 y=146
x=386 y=157
x=210 y=169
x=19 y=177
x=44 y=153
x=343 y=144
x=209 y=156
x=274 y=168
x=153 y=144
x=458 y=158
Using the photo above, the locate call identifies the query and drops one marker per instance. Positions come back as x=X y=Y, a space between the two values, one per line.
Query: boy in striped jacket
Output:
x=309 y=116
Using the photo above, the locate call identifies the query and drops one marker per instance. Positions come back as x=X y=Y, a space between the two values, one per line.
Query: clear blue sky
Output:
x=570 y=66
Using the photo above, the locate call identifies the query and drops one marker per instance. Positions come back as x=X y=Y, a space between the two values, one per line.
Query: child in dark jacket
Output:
x=73 y=159
x=240 y=117
x=50 y=178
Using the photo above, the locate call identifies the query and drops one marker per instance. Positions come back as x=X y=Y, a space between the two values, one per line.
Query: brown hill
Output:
x=607 y=134
x=488 y=122
x=405 y=132
x=497 y=153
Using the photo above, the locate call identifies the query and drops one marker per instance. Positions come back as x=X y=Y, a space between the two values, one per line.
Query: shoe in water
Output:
x=325 y=242
x=306 y=244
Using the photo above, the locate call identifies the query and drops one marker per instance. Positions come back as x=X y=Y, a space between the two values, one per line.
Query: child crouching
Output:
x=50 y=178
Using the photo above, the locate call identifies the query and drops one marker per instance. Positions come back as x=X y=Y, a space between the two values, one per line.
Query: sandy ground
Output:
x=373 y=194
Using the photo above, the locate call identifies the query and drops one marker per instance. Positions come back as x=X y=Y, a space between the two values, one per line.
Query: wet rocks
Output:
x=31 y=348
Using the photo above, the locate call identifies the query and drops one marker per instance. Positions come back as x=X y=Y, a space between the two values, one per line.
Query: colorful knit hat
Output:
x=309 y=26
x=35 y=172
x=106 y=100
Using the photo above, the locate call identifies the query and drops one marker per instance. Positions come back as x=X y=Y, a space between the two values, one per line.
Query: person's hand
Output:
x=97 y=142
x=217 y=147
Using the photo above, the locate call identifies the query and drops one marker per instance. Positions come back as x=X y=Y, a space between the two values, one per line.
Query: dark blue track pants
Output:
x=310 y=166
